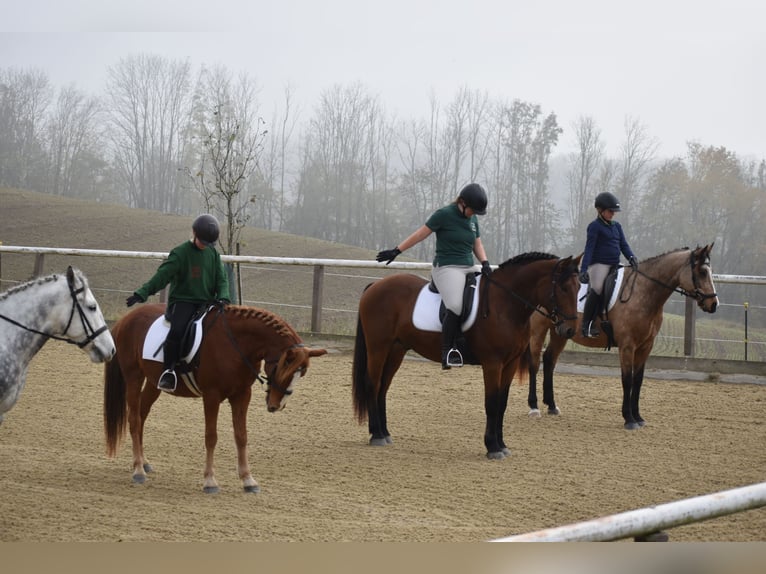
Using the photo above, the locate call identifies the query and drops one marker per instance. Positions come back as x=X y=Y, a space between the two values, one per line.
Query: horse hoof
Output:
x=148 y=467
x=254 y=489
x=554 y=411
x=378 y=442
x=641 y=423
x=139 y=479
x=211 y=490
x=389 y=440
x=497 y=455
x=534 y=414
x=631 y=426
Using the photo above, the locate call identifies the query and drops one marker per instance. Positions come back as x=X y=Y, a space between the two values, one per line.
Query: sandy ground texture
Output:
x=320 y=481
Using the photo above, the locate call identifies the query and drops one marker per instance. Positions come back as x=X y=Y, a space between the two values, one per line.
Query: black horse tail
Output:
x=115 y=408
x=360 y=380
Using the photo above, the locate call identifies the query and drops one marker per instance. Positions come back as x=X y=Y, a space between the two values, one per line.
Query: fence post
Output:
x=689 y=327
x=39 y=265
x=316 y=299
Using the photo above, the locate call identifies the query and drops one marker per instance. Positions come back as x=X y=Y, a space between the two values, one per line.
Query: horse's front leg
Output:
x=550 y=358
x=494 y=407
x=638 y=380
x=211 y=405
x=534 y=367
x=239 y=405
x=629 y=391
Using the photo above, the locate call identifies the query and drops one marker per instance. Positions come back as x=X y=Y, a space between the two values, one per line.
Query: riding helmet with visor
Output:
x=607 y=200
x=206 y=229
x=474 y=196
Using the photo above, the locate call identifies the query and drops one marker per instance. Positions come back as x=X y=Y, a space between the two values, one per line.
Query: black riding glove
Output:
x=388 y=255
x=486 y=269
x=633 y=261
x=133 y=299
x=584 y=277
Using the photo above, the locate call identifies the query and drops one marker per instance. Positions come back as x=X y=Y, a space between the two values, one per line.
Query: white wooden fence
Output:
x=647 y=521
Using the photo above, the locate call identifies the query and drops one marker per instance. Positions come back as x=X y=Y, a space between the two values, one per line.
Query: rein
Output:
x=90 y=332
x=697 y=294
x=256 y=371
x=555 y=316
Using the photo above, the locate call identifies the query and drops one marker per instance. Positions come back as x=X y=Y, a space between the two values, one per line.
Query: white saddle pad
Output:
x=425 y=315
x=157 y=334
x=583 y=292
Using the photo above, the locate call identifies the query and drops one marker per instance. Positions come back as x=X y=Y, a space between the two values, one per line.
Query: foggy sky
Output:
x=688 y=70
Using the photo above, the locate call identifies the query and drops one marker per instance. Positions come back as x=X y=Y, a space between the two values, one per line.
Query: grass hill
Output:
x=39 y=220
x=36 y=219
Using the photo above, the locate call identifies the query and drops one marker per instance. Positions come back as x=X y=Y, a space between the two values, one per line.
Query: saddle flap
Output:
x=158 y=332
x=426 y=313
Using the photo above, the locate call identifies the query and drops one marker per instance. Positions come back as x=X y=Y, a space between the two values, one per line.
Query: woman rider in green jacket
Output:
x=457 y=240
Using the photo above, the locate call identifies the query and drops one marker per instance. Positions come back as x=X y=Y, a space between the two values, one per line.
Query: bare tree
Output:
x=636 y=154
x=72 y=139
x=24 y=99
x=583 y=173
x=148 y=97
x=229 y=138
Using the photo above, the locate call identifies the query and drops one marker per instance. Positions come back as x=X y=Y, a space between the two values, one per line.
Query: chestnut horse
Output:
x=237 y=339
x=497 y=340
x=635 y=321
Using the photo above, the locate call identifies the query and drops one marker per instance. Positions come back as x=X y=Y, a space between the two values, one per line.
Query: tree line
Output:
x=165 y=136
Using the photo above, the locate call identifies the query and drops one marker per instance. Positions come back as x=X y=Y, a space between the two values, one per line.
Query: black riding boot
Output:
x=451 y=357
x=168 y=379
x=592 y=307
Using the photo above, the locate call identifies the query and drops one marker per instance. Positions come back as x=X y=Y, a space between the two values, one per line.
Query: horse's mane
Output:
x=525 y=258
x=266 y=317
x=27 y=285
x=650 y=259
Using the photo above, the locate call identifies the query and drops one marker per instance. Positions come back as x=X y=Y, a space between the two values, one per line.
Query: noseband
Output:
x=90 y=332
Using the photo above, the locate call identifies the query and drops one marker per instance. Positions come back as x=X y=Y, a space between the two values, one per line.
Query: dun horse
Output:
x=58 y=307
x=237 y=340
x=497 y=340
x=635 y=321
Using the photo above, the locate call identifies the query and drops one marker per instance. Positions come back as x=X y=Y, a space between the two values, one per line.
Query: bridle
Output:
x=698 y=295
x=556 y=316
x=90 y=332
x=266 y=378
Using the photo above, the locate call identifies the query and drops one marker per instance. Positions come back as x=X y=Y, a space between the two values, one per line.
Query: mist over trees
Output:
x=163 y=136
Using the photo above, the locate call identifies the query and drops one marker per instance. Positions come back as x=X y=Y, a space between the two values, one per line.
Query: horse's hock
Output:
x=320 y=480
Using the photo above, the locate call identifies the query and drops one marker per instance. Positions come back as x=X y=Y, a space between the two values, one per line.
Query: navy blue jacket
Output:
x=605 y=241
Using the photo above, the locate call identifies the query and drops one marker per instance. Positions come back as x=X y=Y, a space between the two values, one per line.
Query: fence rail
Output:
x=647 y=521
x=319 y=267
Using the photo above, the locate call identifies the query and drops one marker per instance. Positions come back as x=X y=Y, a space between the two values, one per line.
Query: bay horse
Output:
x=236 y=342
x=60 y=307
x=635 y=321
x=528 y=283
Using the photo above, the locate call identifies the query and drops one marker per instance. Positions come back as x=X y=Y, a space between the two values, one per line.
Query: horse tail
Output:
x=360 y=387
x=115 y=410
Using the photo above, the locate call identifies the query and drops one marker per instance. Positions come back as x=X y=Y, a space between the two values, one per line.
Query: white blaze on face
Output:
x=290 y=386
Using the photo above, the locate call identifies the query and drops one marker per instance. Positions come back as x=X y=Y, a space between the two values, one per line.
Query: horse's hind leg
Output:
x=211 y=406
x=378 y=420
x=139 y=404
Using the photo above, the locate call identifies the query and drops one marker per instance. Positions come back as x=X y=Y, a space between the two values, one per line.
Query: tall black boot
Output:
x=168 y=378
x=592 y=306
x=451 y=357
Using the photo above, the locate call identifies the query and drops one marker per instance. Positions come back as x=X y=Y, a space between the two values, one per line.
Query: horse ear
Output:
x=70 y=276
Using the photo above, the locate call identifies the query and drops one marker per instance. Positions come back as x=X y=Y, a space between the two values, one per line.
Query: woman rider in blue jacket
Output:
x=605 y=241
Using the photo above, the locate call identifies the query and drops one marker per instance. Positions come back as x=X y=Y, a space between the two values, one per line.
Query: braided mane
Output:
x=525 y=258
x=268 y=318
x=27 y=285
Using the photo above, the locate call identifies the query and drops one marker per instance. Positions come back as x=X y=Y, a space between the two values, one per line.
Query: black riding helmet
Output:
x=474 y=196
x=606 y=200
x=206 y=229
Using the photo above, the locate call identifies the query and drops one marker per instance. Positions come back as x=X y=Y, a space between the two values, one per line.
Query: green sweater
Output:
x=195 y=275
